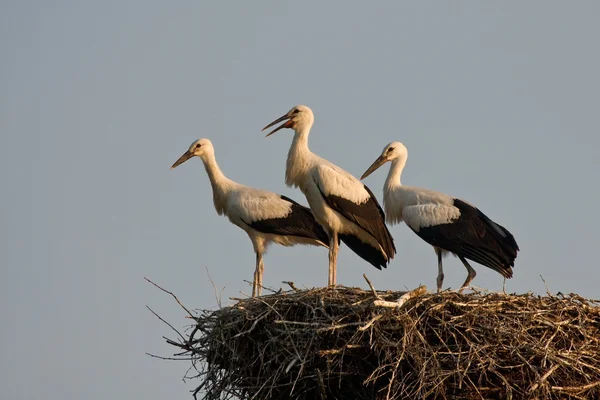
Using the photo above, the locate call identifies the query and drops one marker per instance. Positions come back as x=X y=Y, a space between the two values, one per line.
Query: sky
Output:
x=497 y=104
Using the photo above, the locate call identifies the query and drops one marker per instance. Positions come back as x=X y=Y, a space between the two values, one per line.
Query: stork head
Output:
x=200 y=148
x=391 y=152
x=298 y=119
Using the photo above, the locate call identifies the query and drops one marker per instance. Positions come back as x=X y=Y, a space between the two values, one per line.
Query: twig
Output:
x=543 y=378
x=336 y=351
x=371 y=322
x=403 y=299
x=218 y=294
x=253 y=325
x=279 y=321
x=576 y=388
x=175 y=297
x=291 y=284
x=169 y=358
x=545 y=284
x=168 y=324
x=322 y=390
x=371 y=286
x=191 y=335
x=291 y=364
x=263 y=287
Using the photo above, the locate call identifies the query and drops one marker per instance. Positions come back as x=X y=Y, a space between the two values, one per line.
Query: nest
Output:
x=348 y=343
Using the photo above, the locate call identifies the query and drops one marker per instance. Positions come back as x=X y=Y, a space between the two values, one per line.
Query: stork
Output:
x=445 y=222
x=342 y=204
x=266 y=217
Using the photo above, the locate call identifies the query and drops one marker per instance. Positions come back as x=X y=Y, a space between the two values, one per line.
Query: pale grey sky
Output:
x=497 y=103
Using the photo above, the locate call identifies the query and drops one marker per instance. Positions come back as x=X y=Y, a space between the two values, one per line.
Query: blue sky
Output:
x=496 y=102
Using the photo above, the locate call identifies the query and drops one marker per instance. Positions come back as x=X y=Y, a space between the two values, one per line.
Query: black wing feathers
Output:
x=365 y=251
x=476 y=237
x=300 y=222
x=370 y=217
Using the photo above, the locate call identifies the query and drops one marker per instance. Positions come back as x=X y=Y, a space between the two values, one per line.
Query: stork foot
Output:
x=463 y=287
x=471 y=273
x=440 y=282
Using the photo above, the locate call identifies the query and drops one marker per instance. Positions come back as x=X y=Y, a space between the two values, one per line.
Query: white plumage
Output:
x=343 y=205
x=426 y=215
x=447 y=223
x=265 y=216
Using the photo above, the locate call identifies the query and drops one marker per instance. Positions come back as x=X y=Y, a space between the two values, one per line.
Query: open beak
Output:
x=186 y=156
x=287 y=124
x=378 y=163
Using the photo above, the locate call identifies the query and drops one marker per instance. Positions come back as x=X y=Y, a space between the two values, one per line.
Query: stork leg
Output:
x=333 y=250
x=471 y=275
x=255 y=278
x=258 y=275
x=337 y=246
x=440 y=277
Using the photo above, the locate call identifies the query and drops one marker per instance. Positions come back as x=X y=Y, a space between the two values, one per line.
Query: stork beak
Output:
x=288 y=124
x=378 y=163
x=186 y=156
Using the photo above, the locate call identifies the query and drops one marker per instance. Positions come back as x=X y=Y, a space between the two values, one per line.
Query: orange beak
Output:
x=287 y=124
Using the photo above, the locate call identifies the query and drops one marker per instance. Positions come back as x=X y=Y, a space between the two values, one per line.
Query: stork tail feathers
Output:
x=365 y=251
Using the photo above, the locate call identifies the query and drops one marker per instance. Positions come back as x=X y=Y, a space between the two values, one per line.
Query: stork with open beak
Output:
x=343 y=205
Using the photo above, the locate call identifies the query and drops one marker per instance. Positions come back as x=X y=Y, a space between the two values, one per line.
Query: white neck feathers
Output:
x=395 y=173
x=299 y=159
x=221 y=185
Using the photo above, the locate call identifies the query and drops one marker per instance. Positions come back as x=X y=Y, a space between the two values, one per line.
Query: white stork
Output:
x=265 y=216
x=342 y=204
x=445 y=222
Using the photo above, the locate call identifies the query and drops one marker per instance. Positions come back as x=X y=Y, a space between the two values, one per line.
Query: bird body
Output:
x=447 y=223
x=417 y=207
x=265 y=216
x=342 y=204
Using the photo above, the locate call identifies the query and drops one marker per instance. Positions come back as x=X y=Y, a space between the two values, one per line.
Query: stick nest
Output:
x=348 y=343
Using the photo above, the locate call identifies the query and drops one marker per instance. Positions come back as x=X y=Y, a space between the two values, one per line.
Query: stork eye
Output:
x=296 y=111
x=390 y=149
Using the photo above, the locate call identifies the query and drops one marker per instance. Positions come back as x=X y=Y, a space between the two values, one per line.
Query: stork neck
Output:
x=298 y=158
x=395 y=174
x=219 y=182
x=300 y=141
